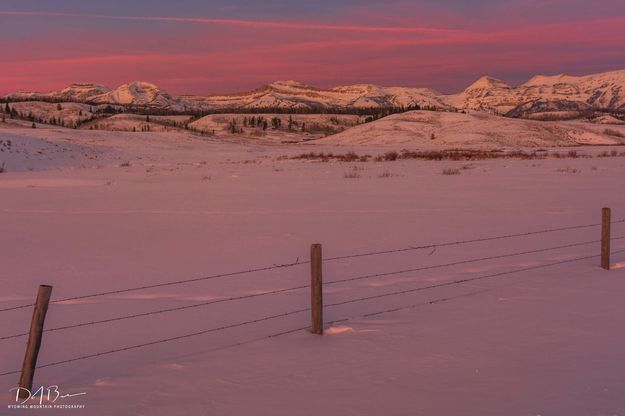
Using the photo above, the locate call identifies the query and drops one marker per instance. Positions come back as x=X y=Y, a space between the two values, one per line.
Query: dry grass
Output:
x=451 y=171
x=612 y=153
x=326 y=157
x=568 y=169
x=434 y=155
x=449 y=155
x=351 y=175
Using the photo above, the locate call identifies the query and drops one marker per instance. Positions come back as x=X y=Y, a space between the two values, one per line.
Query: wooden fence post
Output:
x=605 y=238
x=34 y=339
x=316 y=292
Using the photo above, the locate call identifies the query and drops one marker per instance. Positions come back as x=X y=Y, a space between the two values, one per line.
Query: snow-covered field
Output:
x=97 y=211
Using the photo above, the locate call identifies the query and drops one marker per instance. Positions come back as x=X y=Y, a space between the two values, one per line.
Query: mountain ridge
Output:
x=541 y=93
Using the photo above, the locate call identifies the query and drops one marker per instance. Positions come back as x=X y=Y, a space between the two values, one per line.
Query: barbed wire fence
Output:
x=316 y=261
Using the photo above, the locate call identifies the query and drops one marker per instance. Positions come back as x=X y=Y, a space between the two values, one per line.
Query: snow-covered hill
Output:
x=435 y=129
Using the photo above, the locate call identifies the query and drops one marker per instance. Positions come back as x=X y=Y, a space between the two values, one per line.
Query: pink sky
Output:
x=206 y=55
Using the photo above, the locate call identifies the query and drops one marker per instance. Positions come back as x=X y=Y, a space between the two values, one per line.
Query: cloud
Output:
x=205 y=55
x=242 y=23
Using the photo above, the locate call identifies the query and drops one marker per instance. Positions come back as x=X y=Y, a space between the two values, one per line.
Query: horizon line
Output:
x=308 y=85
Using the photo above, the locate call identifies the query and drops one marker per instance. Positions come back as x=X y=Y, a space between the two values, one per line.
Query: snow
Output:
x=315 y=126
x=136 y=93
x=473 y=129
x=603 y=91
x=545 y=342
x=543 y=80
x=83 y=91
x=293 y=94
x=487 y=82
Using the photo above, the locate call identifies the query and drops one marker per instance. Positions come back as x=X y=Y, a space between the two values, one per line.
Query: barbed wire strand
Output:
x=456 y=263
x=297 y=263
x=277 y=291
x=367 y=315
x=160 y=311
x=476 y=240
x=298 y=311
x=412 y=306
x=466 y=280
x=164 y=340
x=157 y=285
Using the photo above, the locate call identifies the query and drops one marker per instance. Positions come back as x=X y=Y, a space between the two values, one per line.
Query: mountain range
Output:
x=541 y=94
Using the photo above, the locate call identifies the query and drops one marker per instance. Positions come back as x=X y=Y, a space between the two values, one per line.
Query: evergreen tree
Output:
x=276 y=123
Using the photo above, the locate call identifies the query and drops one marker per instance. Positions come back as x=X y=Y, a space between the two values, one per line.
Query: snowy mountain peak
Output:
x=550 y=80
x=545 y=93
x=137 y=93
x=83 y=91
x=487 y=82
x=87 y=87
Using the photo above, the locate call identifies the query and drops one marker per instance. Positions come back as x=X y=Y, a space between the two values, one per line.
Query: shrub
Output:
x=391 y=156
x=351 y=175
x=349 y=157
x=451 y=171
x=2 y=169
